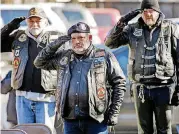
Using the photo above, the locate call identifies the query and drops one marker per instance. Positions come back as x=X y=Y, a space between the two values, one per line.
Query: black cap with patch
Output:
x=80 y=27
x=36 y=12
x=150 y=4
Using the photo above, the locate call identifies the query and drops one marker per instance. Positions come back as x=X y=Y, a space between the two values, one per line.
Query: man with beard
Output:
x=91 y=83
x=153 y=64
x=35 y=89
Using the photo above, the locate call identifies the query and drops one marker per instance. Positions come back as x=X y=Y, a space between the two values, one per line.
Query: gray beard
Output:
x=82 y=52
x=35 y=32
x=79 y=52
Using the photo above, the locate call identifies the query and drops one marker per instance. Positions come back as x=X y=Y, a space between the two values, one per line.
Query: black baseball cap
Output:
x=80 y=27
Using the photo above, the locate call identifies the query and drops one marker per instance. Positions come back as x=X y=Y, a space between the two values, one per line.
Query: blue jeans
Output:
x=29 y=111
x=84 y=127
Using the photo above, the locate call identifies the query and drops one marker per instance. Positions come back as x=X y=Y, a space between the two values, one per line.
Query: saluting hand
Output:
x=129 y=16
x=60 y=41
x=15 y=23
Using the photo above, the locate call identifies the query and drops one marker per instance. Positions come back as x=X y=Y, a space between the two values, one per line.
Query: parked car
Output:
x=73 y=13
x=105 y=18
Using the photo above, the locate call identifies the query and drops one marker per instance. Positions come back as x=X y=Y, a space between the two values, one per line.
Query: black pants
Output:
x=153 y=101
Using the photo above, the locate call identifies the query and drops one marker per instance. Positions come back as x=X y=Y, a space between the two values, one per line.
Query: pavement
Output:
x=128 y=121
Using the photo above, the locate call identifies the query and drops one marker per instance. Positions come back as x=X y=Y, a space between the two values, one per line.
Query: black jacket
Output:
x=106 y=70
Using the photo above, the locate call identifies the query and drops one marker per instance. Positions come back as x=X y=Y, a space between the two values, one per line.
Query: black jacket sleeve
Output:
x=117 y=36
x=117 y=82
x=6 y=38
x=175 y=44
x=47 y=58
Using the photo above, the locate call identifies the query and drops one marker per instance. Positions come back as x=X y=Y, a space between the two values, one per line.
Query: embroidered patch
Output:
x=33 y=11
x=22 y=38
x=17 y=51
x=16 y=62
x=64 y=61
x=17 y=47
x=45 y=38
x=100 y=54
x=137 y=32
x=101 y=93
x=82 y=26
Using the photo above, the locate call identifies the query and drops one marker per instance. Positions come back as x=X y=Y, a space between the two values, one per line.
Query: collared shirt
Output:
x=77 y=97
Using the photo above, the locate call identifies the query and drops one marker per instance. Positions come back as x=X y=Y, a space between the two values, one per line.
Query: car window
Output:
x=8 y=15
x=73 y=16
x=99 y=18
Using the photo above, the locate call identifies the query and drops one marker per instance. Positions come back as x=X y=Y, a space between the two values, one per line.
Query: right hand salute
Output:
x=63 y=39
x=60 y=41
x=15 y=23
x=129 y=16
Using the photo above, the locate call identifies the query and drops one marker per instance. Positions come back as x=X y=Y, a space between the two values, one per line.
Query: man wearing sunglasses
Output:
x=153 y=64
x=90 y=85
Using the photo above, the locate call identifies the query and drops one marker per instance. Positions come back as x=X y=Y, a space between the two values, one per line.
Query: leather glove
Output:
x=15 y=23
x=175 y=97
x=60 y=41
x=129 y=16
x=112 y=120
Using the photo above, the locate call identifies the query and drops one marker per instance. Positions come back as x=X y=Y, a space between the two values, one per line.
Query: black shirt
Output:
x=32 y=75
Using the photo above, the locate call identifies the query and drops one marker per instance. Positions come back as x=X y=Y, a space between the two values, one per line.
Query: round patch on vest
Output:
x=64 y=61
x=101 y=93
x=101 y=108
x=16 y=62
x=22 y=38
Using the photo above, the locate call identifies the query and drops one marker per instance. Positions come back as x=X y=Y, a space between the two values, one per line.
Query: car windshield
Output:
x=99 y=18
x=8 y=15
x=73 y=16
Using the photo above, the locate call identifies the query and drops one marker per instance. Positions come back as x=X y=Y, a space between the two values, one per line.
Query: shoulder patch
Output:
x=137 y=32
x=22 y=37
x=100 y=53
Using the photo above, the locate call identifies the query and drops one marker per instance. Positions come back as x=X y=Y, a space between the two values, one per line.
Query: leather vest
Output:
x=161 y=61
x=98 y=96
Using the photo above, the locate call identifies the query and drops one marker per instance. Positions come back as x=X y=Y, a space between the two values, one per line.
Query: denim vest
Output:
x=20 y=52
x=161 y=61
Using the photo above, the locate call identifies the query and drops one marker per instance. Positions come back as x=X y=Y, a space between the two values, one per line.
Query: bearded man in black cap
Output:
x=153 y=64
x=85 y=74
